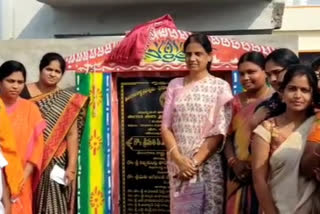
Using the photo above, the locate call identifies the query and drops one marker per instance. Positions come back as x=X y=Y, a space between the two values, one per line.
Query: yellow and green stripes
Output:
x=94 y=180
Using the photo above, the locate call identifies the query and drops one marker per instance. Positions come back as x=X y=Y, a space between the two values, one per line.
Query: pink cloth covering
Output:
x=131 y=49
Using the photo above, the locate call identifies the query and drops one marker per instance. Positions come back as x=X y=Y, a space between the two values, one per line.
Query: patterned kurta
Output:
x=193 y=113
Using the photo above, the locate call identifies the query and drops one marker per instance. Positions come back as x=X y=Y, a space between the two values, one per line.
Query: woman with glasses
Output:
x=276 y=66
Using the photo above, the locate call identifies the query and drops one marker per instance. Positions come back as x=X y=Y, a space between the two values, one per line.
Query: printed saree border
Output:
x=62 y=126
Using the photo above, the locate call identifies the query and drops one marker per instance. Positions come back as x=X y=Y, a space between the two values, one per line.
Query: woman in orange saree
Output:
x=28 y=127
x=241 y=198
x=14 y=170
x=64 y=112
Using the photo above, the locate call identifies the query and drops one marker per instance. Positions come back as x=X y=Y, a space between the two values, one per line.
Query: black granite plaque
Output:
x=144 y=181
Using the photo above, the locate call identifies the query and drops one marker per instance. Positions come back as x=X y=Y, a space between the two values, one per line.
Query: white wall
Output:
x=302 y=2
x=303 y=22
x=29 y=52
x=24 y=12
x=301 y=18
x=6 y=19
x=36 y=20
x=308 y=41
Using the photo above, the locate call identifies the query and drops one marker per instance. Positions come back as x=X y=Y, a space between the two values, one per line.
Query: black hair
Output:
x=49 y=57
x=283 y=57
x=316 y=64
x=302 y=70
x=203 y=40
x=255 y=57
x=11 y=66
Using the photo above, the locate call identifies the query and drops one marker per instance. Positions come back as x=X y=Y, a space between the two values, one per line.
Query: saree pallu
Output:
x=241 y=198
x=60 y=109
x=291 y=192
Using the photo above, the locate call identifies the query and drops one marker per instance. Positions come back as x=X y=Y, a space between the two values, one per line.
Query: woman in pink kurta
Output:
x=196 y=117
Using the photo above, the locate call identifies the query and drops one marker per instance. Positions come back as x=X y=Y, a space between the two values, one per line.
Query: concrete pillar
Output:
x=6 y=19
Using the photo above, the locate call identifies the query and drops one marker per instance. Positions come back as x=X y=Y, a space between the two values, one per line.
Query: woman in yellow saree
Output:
x=240 y=194
x=62 y=110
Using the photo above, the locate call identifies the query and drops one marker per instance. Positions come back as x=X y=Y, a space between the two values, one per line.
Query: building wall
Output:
x=302 y=2
x=29 y=52
x=32 y=19
x=304 y=22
